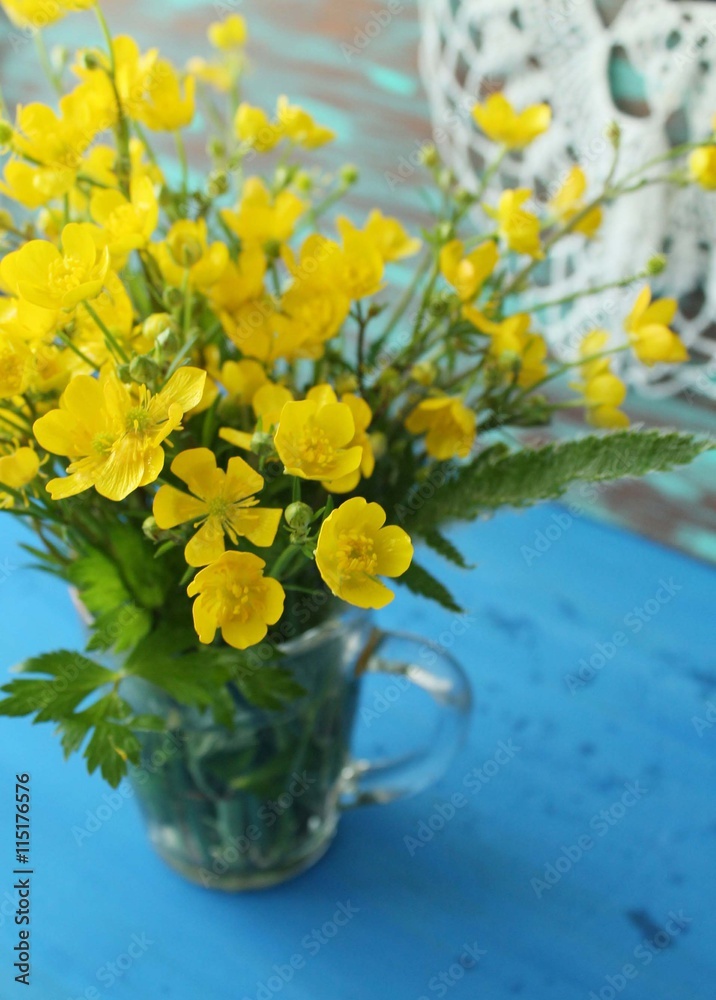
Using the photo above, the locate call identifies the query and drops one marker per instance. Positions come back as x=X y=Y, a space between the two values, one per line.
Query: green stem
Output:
x=46 y=63
x=108 y=335
x=184 y=163
x=73 y=347
x=585 y=292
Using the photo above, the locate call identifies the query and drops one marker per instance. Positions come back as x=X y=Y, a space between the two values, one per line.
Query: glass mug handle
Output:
x=398 y=653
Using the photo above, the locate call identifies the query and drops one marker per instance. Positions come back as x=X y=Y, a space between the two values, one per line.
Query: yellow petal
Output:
x=207 y=544
x=258 y=524
x=172 y=507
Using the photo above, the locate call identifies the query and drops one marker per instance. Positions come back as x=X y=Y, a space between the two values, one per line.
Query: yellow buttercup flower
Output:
x=223 y=503
x=267 y=403
x=18 y=468
x=261 y=218
x=648 y=328
x=165 y=108
x=467 y=273
x=702 y=167
x=354 y=549
x=38 y=14
x=186 y=251
x=569 y=202
x=51 y=279
x=601 y=391
x=449 y=424
x=518 y=227
x=390 y=237
x=127 y=223
x=215 y=75
x=242 y=380
x=501 y=123
x=112 y=436
x=253 y=126
x=133 y=73
x=232 y=594
x=512 y=346
x=362 y=264
x=242 y=304
x=16 y=365
x=299 y=127
x=362 y=416
x=314 y=441
x=228 y=34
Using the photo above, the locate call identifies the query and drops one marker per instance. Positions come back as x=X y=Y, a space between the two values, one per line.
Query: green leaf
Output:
x=444 y=547
x=419 y=581
x=110 y=747
x=169 y=658
x=268 y=687
x=70 y=679
x=120 y=629
x=525 y=477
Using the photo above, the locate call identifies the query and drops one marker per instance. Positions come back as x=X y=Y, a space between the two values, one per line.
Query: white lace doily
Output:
x=570 y=53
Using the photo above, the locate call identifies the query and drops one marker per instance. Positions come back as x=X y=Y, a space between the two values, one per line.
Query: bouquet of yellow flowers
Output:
x=217 y=410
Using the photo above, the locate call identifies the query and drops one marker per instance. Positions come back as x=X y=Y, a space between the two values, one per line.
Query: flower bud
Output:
x=656 y=264
x=156 y=324
x=150 y=529
x=143 y=369
x=379 y=444
x=216 y=148
x=424 y=373
x=6 y=220
x=346 y=383
x=445 y=232
x=262 y=443
x=298 y=516
x=217 y=183
x=303 y=182
x=349 y=173
x=173 y=298
x=429 y=156
x=186 y=251
x=613 y=133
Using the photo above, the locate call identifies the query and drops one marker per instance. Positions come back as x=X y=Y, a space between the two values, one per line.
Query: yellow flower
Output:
x=252 y=126
x=267 y=403
x=354 y=548
x=16 y=365
x=245 y=309
x=449 y=424
x=126 y=224
x=501 y=123
x=512 y=346
x=222 y=502
x=390 y=237
x=37 y=14
x=235 y=596
x=260 y=218
x=648 y=328
x=133 y=76
x=314 y=441
x=186 y=249
x=601 y=391
x=519 y=228
x=362 y=265
x=467 y=273
x=362 y=416
x=702 y=167
x=298 y=126
x=213 y=74
x=18 y=468
x=51 y=279
x=569 y=202
x=165 y=108
x=228 y=34
x=242 y=380
x=114 y=438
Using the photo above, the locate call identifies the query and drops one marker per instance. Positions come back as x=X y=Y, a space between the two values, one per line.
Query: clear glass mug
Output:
x=251 y=806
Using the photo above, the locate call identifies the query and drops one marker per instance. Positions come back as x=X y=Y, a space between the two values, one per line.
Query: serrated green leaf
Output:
x=110 y=747
x=419 y=581
x=444 y=547
x=70 y=679
x=525 y=477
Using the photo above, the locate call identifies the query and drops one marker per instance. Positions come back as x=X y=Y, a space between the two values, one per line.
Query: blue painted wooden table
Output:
x=568 y=853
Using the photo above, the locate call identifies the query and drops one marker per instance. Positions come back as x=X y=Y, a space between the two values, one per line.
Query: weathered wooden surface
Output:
x=360 y=76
